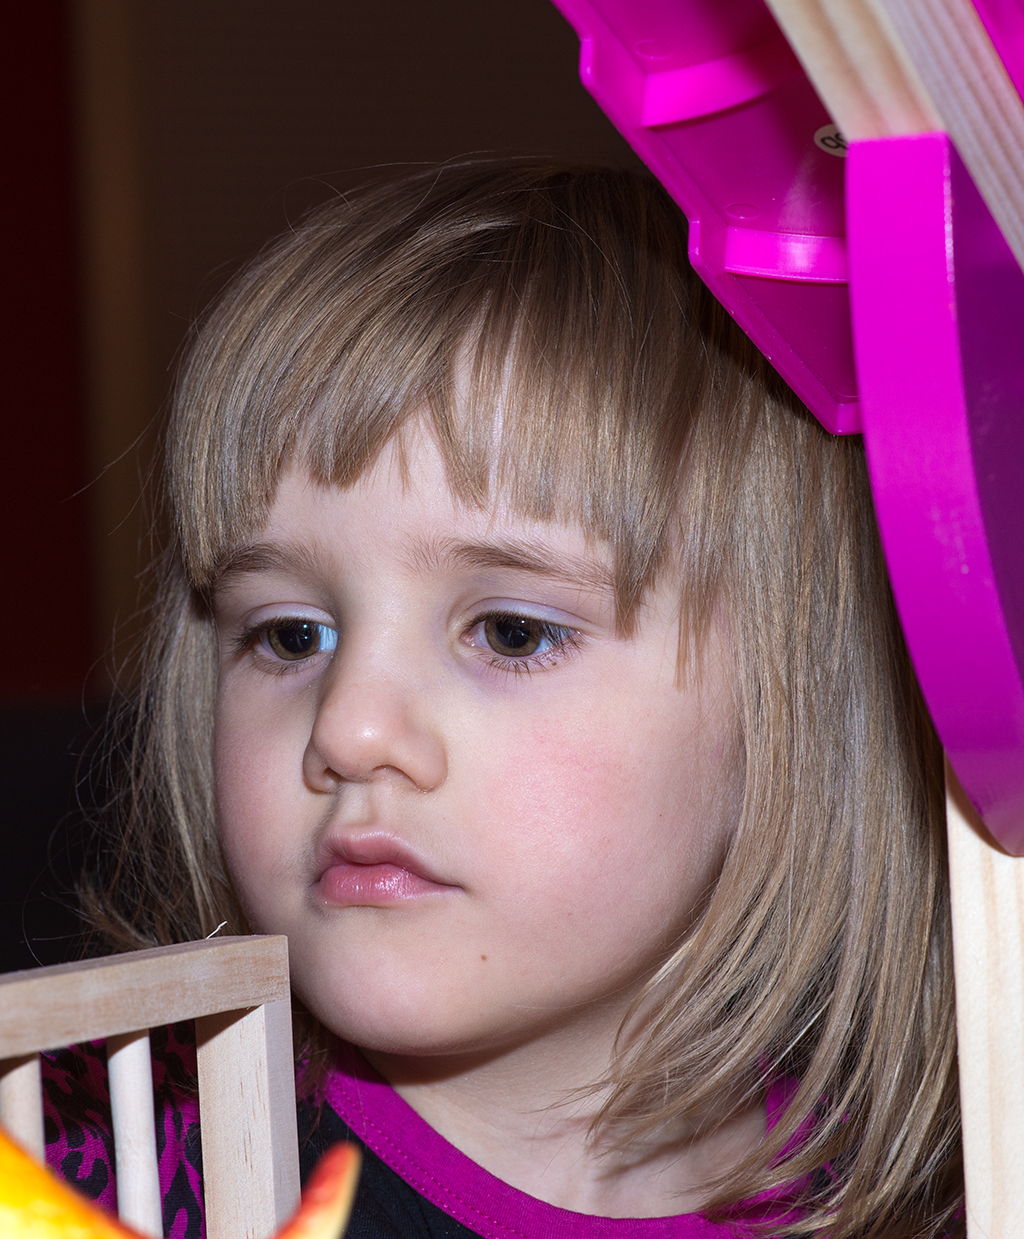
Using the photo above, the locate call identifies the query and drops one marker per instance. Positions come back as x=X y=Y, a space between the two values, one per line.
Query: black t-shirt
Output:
x=386 y=1207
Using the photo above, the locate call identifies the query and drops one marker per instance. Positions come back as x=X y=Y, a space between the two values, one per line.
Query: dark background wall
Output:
x=152 y=147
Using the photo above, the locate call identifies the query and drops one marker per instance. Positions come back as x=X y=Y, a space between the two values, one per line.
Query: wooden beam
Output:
x=987 y=888
x=21 y=1102
x=890 y=67
x=130 y=1073
x=140 y=989
x=858 y=66
x=247 y=1102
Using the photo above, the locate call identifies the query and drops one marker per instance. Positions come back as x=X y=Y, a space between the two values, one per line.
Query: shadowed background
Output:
x=152 y=146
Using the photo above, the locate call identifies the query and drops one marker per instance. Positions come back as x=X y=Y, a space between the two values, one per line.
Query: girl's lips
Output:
x=372 y=871
x=346 y=884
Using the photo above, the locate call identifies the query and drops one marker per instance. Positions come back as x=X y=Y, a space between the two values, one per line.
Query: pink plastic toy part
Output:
x=711 y=97
x=1004 y=21
x=938 y=317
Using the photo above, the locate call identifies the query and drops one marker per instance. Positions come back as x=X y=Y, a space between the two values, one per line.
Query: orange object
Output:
x=35 y=1204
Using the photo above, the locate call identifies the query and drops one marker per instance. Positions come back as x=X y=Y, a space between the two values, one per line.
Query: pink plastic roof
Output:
x=710 y=96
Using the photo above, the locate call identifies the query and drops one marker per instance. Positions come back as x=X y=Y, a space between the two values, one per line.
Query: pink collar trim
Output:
x=480 y=1201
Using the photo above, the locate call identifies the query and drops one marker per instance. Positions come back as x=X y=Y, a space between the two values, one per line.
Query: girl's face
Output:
x=479 y=812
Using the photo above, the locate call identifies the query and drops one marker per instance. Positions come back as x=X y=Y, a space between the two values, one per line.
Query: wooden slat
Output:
x=141 y=989
x=979 y=105
x=130 y=1074
x=21 y=1103
x=988 y=939
x=247 y=1102
x=887 y=67
x=858 y=67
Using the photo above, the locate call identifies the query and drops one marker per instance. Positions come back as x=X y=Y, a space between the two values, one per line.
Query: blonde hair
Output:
x=632 y=405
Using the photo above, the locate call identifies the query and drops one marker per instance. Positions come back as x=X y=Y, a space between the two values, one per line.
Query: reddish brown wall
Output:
x=44 y=549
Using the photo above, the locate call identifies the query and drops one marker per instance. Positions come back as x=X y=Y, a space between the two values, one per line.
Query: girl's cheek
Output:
x=246 y=783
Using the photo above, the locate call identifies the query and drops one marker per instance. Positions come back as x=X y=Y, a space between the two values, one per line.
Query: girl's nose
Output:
x=366 y=727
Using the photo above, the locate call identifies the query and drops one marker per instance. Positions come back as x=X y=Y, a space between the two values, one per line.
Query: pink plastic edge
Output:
x=680 y=94
x=899 y=222
x=752 y=251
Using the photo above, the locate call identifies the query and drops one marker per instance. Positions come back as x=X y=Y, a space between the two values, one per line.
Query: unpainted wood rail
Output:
x=237 y=991
x=987 y=889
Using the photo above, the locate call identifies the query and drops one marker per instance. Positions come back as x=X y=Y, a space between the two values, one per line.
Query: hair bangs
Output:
x=552 y=357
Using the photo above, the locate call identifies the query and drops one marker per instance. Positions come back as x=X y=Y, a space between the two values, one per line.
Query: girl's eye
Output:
x=295 y=639
x=522 y=642
x=515 y=636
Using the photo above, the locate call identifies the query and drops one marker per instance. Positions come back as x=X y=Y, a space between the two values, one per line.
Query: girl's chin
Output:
x=391 y=1040
x=435 y=1030
x=409 y=999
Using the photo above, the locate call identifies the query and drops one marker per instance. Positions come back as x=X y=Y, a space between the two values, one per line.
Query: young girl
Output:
x=525 y=654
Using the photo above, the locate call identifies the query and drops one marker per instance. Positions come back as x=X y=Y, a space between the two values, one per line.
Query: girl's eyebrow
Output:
x=264 y=557
x=441 y=555
x=448 y=554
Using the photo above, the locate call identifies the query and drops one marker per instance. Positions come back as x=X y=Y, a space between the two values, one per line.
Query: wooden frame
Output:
x=237 y=991
x=987 y=889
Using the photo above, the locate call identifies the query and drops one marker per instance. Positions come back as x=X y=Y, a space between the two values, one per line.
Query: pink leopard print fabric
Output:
x=76 y=1108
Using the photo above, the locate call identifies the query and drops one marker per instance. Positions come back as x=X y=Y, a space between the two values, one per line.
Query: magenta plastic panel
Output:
x=713 y=100
x=938 y=317
x=1004 y=21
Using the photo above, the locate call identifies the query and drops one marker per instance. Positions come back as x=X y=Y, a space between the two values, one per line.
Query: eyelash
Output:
x=257 y=638
x=562 y=642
